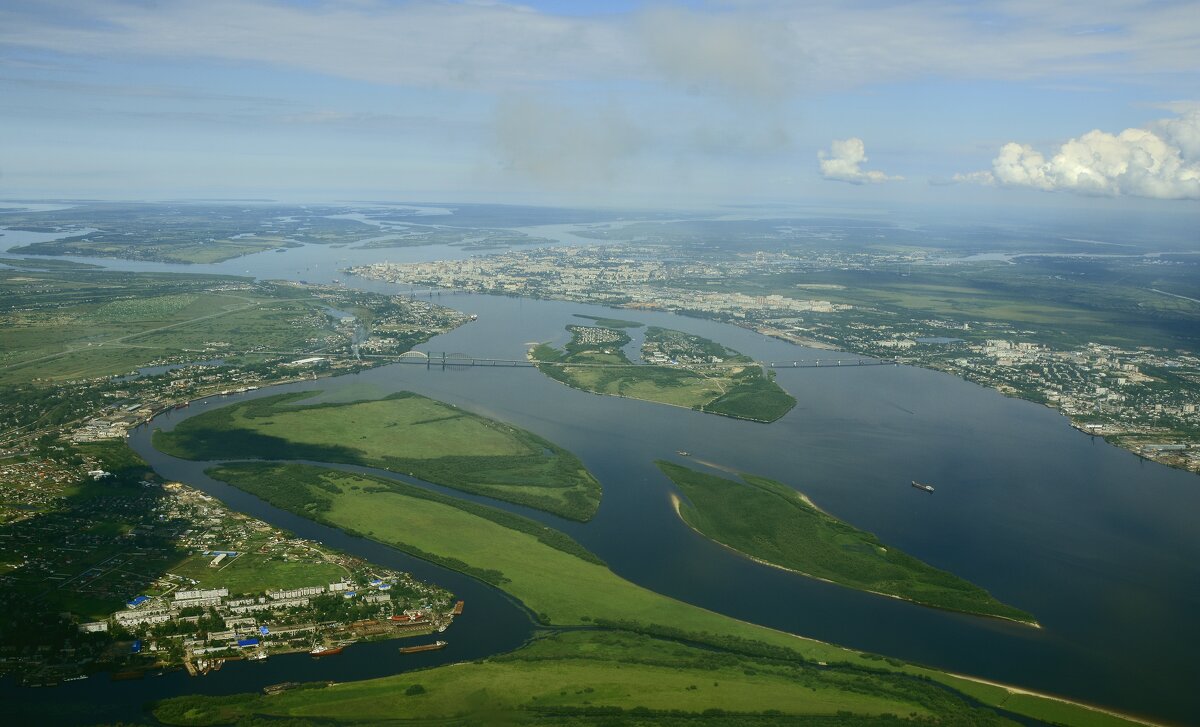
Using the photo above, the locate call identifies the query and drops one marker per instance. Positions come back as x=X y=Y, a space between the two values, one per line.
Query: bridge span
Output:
x=443 y=359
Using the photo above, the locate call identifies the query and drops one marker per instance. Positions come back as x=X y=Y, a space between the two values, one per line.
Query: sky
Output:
x=1074 y=104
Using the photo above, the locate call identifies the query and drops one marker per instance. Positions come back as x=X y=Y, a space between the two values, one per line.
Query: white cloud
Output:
x=1161 y=161
x=843 y=161
x=758 y=48
x=982 y=177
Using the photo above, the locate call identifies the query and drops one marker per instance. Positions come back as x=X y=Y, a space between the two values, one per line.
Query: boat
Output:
x=458 y=608
x=322 y=650
x=257 y=656
x=424 y=647
x=922 y=486
x=682 y=453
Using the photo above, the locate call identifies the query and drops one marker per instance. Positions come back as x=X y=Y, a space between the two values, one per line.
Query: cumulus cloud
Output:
x=1161 y=161
x=842 y=163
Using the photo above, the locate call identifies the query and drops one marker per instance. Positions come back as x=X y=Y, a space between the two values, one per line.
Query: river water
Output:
x=1098 y=544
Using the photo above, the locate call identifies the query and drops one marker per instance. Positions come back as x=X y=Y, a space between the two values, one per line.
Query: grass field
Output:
x=566 y=590
x=404 y=433
x=769 y=521
x=629 y=676
x=252 y=572
x=64 y=324
x=739 y=391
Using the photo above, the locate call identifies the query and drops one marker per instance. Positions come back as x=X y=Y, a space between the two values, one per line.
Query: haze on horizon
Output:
x=1083 y=105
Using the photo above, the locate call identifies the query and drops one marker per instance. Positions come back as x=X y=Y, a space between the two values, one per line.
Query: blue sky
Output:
x=1013 y=102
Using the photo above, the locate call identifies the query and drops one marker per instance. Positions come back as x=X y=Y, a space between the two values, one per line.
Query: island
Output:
x=640 y=658
x=681 y=369
x=773 y=524
x=403 y=432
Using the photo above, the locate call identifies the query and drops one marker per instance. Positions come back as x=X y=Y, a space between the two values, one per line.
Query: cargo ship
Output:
x=321 y=650
x=424 y=647
x=922 y=486
x=458 y=608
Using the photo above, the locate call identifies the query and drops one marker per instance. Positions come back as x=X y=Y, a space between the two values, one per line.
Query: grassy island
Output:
x=644 y=658
x=404 y=433
x=682 y=370
x=772 y=523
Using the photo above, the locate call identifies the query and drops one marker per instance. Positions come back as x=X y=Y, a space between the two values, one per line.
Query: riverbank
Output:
x=767 y=522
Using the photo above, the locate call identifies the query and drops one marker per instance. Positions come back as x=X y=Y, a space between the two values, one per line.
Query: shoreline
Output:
x=676 y=502
x=537 y=365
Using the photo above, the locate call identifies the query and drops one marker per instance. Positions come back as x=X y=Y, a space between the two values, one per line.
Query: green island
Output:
x=633 y=657
x=403 y=432
x=772 y=523
x=681 y=370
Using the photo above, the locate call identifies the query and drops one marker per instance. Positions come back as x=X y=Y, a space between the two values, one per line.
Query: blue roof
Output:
x=376 y=581
x=385 y=586
x=263 y=630
x=247 y=642
x=349 y=594
x=136 y=648
x=139 y=600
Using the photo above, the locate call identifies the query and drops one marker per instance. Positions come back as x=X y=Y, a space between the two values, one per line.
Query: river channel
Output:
x=1100 y=545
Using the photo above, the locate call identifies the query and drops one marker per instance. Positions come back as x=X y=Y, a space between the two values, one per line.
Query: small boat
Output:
x=922 y=486
x=322 y=650
x=682 y=453
x=424 y=647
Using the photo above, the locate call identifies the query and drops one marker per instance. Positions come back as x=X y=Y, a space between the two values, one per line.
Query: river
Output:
x=1098 y=544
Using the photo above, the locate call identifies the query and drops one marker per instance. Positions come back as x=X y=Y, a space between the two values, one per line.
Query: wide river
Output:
x=1100 y=545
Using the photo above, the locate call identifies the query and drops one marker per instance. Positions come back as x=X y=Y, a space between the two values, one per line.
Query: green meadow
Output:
x=738 y=391
x=404 y=433
x=773 y=523
x=549 y=576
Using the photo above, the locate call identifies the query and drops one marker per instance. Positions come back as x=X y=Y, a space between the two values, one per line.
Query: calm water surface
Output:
x=1098 y=544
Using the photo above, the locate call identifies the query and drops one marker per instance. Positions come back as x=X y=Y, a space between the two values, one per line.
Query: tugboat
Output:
x=922 y=486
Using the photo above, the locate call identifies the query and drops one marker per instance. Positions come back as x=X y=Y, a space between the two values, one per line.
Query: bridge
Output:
x=443 y=359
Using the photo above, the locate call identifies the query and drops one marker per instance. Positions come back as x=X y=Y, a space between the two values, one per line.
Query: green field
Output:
x=185 y=233
x=572 y=675
x=565 y=589
x=771 y=522
x=403 y=433
x=738 y=389
x=67 y=323
x=252 y=572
